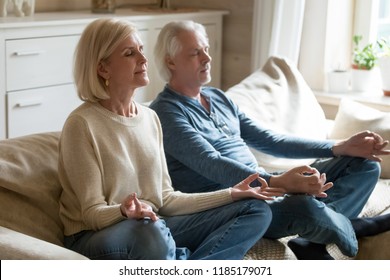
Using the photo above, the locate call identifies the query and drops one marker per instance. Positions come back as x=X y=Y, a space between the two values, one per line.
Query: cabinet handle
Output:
x=28 y=53
x=29 y=103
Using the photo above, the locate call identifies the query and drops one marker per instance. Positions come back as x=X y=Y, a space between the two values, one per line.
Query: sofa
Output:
x=276 y=95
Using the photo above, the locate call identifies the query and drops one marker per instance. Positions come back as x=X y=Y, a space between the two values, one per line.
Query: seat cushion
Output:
x=29 y=186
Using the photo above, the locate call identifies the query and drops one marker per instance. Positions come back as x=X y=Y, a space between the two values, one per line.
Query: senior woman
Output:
x=117 y=200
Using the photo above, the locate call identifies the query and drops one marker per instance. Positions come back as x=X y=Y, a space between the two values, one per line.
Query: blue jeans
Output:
x=327 y=220
x=223 y=233
x=226 y=232
x=353 y=179
x=128 y=239
x=311 y=219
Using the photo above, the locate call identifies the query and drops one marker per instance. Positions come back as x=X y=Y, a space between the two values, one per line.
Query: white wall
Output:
x=237 y=29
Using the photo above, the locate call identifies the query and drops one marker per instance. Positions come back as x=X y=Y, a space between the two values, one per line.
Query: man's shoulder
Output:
x=166 y=100
x=163 y=99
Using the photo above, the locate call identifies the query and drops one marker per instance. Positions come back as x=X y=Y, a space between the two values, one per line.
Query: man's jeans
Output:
x=326 y=220
x=223 y=233
x=354 y=180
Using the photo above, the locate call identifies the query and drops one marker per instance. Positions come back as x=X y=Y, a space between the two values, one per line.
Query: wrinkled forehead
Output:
x=192 y=38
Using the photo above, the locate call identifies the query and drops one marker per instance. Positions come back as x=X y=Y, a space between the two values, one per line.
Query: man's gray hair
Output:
x=167 y=45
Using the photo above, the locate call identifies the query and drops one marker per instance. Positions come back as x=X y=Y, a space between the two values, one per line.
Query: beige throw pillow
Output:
x=278 y=97
x=29 y=186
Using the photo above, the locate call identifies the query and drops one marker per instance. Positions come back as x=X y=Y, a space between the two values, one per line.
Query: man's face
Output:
x=191 y=65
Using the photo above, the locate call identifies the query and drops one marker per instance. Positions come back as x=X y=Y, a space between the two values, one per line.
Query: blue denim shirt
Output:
x=210 y=151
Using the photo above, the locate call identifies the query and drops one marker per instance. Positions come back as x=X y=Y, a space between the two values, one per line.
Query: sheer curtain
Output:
x=277 y=29
x=316 y=35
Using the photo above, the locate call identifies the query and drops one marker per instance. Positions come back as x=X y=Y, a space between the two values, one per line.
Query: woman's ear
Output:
x=102 y=70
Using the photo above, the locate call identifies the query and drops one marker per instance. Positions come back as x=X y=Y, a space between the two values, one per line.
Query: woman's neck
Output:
x=122 y=106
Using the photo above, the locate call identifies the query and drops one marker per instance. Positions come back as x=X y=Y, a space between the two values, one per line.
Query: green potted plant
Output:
x=364 y=60
x=384 y=64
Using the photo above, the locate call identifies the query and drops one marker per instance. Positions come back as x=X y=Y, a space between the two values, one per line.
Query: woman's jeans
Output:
x=327 y=220
x=128 y=239
x=226 y=232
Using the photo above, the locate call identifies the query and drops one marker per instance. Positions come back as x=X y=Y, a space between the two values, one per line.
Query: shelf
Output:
x=374 y=99
x=330 y=101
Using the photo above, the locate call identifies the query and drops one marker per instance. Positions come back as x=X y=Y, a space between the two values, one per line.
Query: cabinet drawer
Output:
x=40 y=110
x=39 y=61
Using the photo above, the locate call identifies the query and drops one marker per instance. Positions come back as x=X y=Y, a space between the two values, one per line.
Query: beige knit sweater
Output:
x=103 y=157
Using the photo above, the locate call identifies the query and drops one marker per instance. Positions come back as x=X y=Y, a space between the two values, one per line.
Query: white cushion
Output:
x=278 y=97
x=353 y=117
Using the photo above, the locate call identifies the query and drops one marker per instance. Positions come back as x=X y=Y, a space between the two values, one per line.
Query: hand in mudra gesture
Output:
x=365 y=144
x=243 y=190
x=132 y=208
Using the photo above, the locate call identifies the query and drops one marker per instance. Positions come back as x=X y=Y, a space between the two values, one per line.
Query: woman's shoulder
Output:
x=146 y=112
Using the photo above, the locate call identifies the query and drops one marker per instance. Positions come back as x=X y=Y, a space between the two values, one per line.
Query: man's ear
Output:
x=102 y=70
x=170 y=63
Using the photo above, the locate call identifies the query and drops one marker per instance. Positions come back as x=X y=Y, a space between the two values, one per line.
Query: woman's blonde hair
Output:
x=168 y=46
x=97 y=43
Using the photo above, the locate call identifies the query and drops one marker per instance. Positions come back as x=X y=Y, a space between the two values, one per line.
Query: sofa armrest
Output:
x=18 y=246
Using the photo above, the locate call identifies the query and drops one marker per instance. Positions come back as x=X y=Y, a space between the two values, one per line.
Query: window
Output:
x=372 y=19
x=384 y=19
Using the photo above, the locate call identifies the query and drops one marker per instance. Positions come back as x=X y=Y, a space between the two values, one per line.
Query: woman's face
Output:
x=126 y=67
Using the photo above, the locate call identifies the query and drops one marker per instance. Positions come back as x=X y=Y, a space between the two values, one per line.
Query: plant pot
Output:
x=338 y=81
x=384 y=67
x=361 y=79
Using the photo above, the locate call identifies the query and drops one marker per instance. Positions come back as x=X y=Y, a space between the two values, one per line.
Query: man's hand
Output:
x=243 y=190
x=302 y=179
x=132 y=208
x=365 y=144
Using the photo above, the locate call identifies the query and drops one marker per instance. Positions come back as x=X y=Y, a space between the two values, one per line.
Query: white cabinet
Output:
x=40 y=109
x=36 y=56
x=37 y=62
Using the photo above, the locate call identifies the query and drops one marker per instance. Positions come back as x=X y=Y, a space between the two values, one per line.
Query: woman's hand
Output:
x=243 y=190
x=132 y=208
x=365 y=144
x=303 y=179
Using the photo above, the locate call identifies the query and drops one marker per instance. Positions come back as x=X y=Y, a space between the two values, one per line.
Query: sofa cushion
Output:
x=353 y=117
x=29 y=186
x=278 y=97
x=18 y=246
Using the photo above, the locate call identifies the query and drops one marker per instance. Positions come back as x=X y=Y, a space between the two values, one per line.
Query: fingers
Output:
x=322 y=193
x=250 y=179
x=377 y=137
x=273 y=193
x=137 y=203
x=263 y=182
x=379 y=148
x=306 y=169
x=149 y=214
x=139 y=210
x=258 y=193
x=327 y=186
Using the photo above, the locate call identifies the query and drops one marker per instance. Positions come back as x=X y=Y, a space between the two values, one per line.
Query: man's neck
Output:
x=193 y=93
